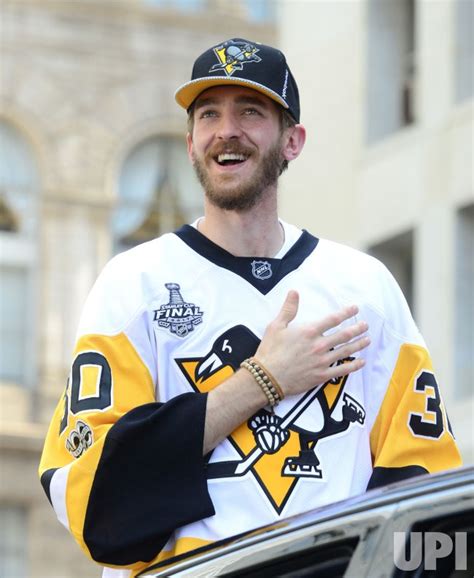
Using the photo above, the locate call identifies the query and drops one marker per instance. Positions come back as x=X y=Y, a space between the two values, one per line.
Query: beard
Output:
x=245 y=194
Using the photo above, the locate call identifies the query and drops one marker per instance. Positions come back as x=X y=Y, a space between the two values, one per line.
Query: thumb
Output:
x=289 y=308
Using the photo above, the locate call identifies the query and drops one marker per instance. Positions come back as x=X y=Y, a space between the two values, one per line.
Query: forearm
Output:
x=230 y=405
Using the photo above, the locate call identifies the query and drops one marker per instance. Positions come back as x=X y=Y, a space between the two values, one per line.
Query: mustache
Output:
x=231 y=147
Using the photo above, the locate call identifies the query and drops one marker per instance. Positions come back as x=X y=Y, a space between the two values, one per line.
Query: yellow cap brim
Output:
x=188 y=92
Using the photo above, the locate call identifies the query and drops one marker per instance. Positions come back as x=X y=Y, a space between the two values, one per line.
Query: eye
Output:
x=252 y=111
x=209 y=113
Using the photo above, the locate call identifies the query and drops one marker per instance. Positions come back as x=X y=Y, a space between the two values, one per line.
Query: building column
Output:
x=75 y=243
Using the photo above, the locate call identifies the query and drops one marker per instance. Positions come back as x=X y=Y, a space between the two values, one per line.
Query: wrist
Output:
x=265 y=380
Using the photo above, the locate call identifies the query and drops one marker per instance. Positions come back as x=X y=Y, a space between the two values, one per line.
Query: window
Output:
x=19 y=184
x=12 y=542
x=464 y=303
x=391 y=61
x=330 y=560
x=13 y=336
x=191 y=5
x=261 y=10
x=397 y=255
x=464 y=49
x=158 y=192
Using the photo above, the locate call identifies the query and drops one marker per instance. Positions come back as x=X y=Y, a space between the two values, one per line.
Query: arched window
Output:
x=19 y=186
x=18 y=182
x=157 y=191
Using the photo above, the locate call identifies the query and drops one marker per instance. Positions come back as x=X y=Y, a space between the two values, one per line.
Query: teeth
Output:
x=230 y=157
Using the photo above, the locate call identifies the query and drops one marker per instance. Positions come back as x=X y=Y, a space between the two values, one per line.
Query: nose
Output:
x=228 y=127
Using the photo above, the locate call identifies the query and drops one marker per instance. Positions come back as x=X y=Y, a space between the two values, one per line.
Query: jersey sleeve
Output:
x=411 y=434
x=122 y=470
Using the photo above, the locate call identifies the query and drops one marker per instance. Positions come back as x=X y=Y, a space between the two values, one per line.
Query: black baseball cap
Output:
x=245 y=63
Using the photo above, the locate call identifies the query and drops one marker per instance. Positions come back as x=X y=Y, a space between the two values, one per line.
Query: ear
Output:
x=189 y=145
x=293 y=142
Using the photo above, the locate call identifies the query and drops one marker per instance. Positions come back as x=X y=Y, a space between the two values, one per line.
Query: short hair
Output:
x=286 y=121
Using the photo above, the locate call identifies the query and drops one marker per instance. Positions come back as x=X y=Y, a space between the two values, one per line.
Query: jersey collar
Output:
x=263 y=273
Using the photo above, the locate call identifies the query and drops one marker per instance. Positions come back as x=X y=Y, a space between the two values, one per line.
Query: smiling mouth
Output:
x=227 y=159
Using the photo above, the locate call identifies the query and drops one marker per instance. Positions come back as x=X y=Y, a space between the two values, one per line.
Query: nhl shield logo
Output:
x=261 y=270
x=178 y=316
x=233 y=55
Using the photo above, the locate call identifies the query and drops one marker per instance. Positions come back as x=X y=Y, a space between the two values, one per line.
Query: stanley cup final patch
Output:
x=178 y=316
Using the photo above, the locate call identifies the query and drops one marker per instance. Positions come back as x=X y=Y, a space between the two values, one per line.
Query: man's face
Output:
x=236 y=145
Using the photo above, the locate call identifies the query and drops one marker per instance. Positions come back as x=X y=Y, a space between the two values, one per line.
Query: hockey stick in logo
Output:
x=241 y=467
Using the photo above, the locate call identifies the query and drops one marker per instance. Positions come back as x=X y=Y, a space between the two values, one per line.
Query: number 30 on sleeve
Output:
x=430 y=424
x=89 y=365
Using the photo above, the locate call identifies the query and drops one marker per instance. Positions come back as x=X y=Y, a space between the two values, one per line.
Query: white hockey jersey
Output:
x=171 y=319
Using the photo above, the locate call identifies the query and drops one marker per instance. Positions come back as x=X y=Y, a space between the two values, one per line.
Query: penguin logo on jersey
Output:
x=177 y=315
x=277 y=449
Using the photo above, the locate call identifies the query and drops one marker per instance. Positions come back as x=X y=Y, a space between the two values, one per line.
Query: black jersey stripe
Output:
x=46 y=478
x=382 y=476
x=150 y=480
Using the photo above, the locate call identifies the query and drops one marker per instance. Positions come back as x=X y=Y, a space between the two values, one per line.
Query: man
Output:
x=238 y=370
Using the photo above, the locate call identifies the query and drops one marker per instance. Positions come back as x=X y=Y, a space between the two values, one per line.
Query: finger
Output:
x=348 y=349
x=336 y=319
x=345 y=368
x=346 y=334
x=289 y=308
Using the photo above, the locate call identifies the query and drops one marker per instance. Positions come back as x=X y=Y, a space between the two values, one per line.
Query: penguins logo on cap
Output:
x=233 y=55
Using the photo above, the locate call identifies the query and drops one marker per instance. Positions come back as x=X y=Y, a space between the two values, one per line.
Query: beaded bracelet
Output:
x=266 y=381
x=274 y=382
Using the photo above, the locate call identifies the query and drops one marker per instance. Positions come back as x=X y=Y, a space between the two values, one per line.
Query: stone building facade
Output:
x=92 y=160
